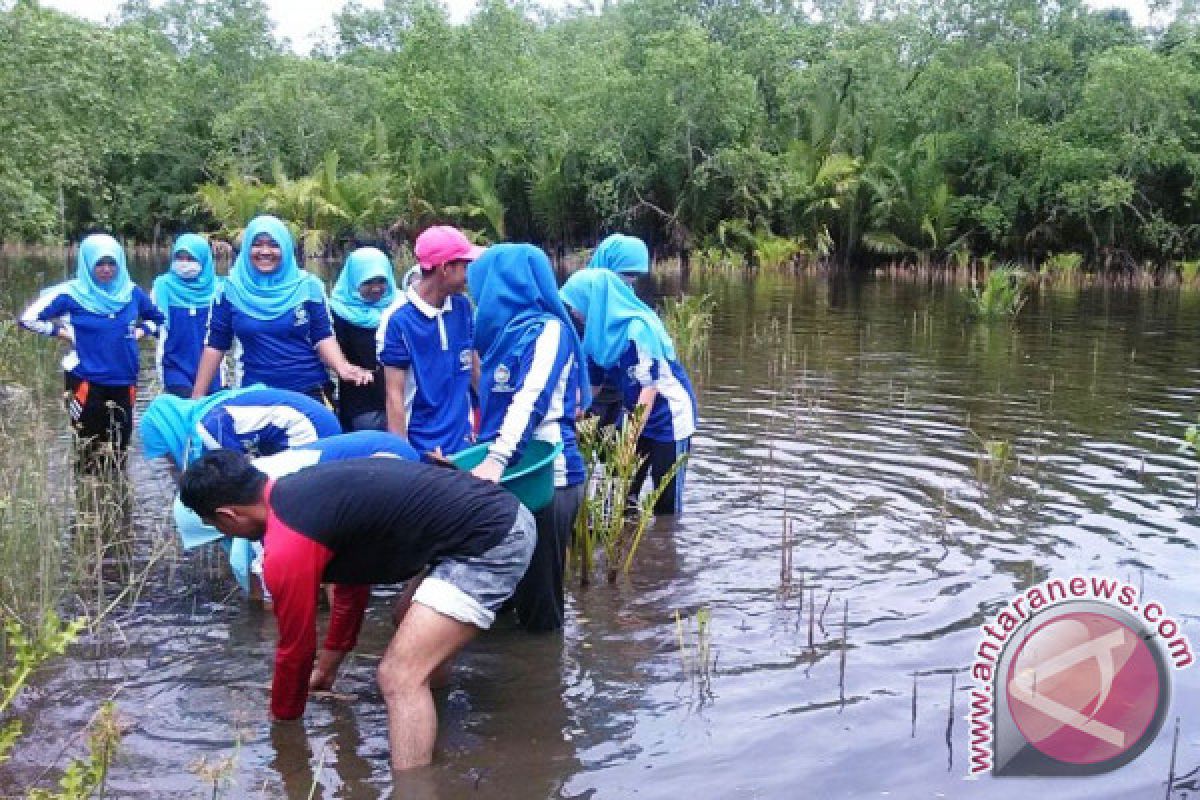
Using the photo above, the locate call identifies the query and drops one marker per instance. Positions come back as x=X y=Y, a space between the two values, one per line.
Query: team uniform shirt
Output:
x=359 y=346
x=106 y=351
x=261 y=422
x=279 y=352
x=533 y=393
x=672 y=418
x=180 y=346
x=435 y=348
x=380 y=521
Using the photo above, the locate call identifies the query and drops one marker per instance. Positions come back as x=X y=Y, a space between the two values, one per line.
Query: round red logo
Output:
x=1083 y=688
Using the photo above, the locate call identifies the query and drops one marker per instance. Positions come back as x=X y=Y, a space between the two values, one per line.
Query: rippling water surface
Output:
x=859 y=414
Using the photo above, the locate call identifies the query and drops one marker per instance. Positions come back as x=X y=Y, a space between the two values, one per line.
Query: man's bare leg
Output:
x=423 y=641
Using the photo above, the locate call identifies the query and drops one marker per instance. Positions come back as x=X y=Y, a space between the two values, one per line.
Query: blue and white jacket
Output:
x=533 y=393
x=106 y=351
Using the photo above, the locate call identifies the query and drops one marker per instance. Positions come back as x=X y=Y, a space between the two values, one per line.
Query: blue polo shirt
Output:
x=672 y=418
x=262 y=422
x=106 y=350
x=280 y=352
x=435 y=347
x=180 y=346
x=533 y=392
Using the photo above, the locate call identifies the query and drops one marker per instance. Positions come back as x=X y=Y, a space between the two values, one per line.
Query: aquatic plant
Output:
x=718 y=259
x=1002 y=294
x=689 y=322
x=1062 y=267
x=1189 y=271
x=993 y=458
x=1192 y=437
x=694 y=638
x=26 y=649
x=608 y=517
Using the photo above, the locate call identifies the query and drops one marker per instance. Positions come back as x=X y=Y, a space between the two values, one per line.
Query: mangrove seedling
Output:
x=1001 y=295
x=1192 y=437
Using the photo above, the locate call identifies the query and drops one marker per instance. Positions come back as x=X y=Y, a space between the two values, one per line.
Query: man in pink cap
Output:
x=426 y=345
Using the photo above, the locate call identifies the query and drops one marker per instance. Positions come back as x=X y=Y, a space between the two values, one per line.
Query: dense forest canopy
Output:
x=853 y=130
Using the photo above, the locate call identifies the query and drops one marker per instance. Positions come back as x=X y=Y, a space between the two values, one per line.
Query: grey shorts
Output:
x=470 y=589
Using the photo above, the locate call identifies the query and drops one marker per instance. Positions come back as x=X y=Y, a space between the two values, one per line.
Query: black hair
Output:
x=220 y=478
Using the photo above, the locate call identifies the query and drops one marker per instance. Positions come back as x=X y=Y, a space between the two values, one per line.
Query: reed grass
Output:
x=1062 y=268
x=688 y=320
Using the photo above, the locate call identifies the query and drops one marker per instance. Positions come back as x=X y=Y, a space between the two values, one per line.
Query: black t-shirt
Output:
x=383 y=519
x=358 y=344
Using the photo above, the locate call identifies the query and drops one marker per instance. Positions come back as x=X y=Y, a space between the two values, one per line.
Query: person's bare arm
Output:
x=331 y=355
x=397 y=419
x=210 y=362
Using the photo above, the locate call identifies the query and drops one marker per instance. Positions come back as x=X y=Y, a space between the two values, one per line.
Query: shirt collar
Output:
x=426 y=308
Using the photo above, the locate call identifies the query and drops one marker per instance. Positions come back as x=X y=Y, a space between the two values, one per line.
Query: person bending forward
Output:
x=360 y=522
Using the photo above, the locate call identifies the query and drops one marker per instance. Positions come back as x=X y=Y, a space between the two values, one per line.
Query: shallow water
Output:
x=859 y=412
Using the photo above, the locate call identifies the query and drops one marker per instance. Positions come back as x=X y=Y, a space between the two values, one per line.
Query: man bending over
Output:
x=356 y=523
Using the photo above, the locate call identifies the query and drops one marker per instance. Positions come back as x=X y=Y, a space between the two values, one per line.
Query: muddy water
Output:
x=857 y=412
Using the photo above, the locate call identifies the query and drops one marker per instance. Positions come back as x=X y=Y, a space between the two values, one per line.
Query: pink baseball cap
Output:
x=442 y=244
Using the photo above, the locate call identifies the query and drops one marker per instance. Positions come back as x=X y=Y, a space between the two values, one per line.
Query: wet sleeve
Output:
x=320 y=324
x=394 y=351
x=540 y=369
x=292 y=570
x=40 y=315
x=345 y=619
x=220 y=325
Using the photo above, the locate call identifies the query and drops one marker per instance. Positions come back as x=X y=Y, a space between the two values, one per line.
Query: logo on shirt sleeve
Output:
x=465 y=360
x=301 y=316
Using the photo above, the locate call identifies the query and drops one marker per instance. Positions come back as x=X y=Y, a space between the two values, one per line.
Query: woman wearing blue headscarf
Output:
x=625 y=255
x=101 y=314
x=366 y=287
x=184 y=294
x=531 y=383
x=257 y=420
x=624 y=336
x=629 y=258
x=278 y=313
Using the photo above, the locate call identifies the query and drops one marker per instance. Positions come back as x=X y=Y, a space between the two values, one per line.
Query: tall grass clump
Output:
x=689 y=322
x=1189 y=271
x=1062 y=267
x=717 y=259
x=1002 y=294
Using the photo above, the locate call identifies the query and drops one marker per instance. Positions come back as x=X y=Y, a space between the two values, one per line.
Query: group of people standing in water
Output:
x=271 y=454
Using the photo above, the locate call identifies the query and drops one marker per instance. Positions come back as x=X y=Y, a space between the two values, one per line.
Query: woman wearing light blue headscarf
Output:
x=627 y=256
x=278 y=313
x=184 y=294
x=101 y=314
x=624 y=337
x=365 y=288
x=531 y=383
